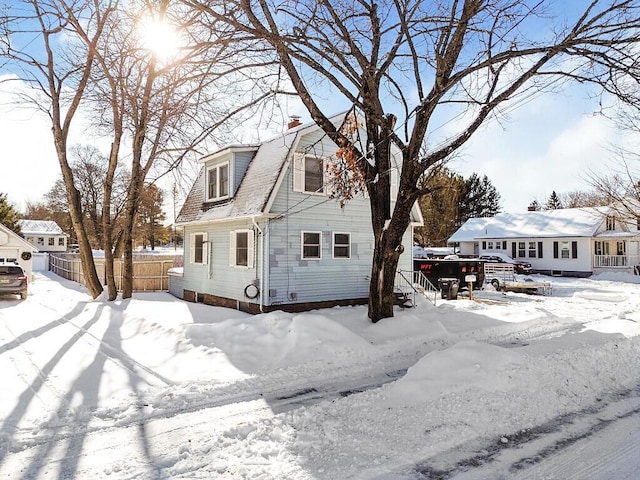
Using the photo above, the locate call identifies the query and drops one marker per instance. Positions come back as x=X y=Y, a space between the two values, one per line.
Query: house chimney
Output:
x=295 y=121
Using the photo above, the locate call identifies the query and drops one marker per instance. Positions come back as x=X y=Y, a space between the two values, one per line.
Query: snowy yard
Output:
x=157 y=388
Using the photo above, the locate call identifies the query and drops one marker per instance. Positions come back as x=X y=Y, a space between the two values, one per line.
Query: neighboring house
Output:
x=14 y=248
x=571 y=241
x=261 y=232
x=45 y=235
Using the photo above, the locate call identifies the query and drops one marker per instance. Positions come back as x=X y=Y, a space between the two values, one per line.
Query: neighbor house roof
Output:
x=40 y=227
x=566 y=222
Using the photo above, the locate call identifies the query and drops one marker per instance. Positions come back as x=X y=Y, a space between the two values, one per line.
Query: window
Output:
x=308 y=175
x=198 y=246
x=341 y=245
x=218 y=182
x=41 y=241
x=621 y=248
x=241 y=244
x=521 y=249
x=61 y=242
x=311 y=245
x=564 y=252
x=490 y=246
x=611 y=222
x=532 y=249
x=52 y=241
x=313 y=174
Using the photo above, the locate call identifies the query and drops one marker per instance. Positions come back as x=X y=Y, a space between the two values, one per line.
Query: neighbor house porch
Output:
x=617 y=254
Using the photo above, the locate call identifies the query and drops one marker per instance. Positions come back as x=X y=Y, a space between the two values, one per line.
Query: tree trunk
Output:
x=91 y=279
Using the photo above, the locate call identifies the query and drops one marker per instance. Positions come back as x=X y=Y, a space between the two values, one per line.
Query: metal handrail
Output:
x=419 y=284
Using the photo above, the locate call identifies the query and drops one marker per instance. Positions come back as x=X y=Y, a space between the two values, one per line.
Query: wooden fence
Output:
x=150 y=272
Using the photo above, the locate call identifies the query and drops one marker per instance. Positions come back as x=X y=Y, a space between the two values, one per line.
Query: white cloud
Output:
x=29 y=165
x=550 y=144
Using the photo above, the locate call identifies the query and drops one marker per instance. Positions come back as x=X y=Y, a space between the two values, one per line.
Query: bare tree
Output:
x=620 y=186
x=165 y=103
x=39 y=45
x=410 y=66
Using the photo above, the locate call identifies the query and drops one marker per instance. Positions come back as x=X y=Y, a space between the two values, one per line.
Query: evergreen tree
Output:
x=554 y=202
x=451 y=202
x=8 y=215
x=479 y=199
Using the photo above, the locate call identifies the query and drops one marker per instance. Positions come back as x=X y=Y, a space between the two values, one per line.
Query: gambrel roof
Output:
x=255 y=189
x=260 y=182
x=566 y=222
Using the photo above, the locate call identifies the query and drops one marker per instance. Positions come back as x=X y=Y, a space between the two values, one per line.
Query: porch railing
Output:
x=615 y=261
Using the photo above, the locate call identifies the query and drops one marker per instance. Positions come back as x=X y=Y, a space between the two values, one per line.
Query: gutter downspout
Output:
x=260 y=261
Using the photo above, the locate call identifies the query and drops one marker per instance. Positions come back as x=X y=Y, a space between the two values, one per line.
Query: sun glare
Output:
x=160 y=38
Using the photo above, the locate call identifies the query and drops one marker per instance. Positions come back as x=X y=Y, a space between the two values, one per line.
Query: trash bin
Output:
x=449 y=288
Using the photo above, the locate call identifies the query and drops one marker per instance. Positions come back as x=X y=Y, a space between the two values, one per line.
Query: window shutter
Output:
x=250 y=253
x=192 y=247
x=232 y=249
x=513 y=249
x=484 y=245
x=298 y=172
x=574 y=249
x=205 y=249
x=539 y=249
x=504 y=244
x=555 y=249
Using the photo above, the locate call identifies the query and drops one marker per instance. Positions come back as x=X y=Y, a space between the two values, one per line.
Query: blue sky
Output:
x=549 y=143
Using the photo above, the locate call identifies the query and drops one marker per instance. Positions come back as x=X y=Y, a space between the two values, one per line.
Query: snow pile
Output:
x=466 y=365
x=172 y=389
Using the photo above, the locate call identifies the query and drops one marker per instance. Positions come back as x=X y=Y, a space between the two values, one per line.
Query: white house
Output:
x=45 y=235
x=261 y=232
x=14 y=248
x=571 y=242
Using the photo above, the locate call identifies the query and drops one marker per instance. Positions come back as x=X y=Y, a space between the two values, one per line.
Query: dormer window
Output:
x=610 y=223
x=218 y=182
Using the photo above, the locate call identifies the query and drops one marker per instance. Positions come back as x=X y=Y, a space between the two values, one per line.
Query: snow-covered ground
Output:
x=157 y=388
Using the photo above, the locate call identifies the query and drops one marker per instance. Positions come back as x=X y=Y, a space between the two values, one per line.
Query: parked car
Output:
x=13 y=280
x=519 y=266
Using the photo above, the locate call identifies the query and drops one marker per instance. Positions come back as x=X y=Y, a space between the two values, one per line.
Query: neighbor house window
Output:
x=490 y=246
x=521 y=249
x=241 y=248
x=611 y=222
x=52 y=242
x=41 y=241
x=61 y=242
x=341 y=245
x=218 y=182
x=564 y=251
x=198 y=246
x=311 y=245
x=532 y=249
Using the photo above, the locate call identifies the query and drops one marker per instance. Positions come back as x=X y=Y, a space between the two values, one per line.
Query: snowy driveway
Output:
x=157 y=388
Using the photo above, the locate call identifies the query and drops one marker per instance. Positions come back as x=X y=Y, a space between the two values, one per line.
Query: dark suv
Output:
x=13 y=280
x=519 y=266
